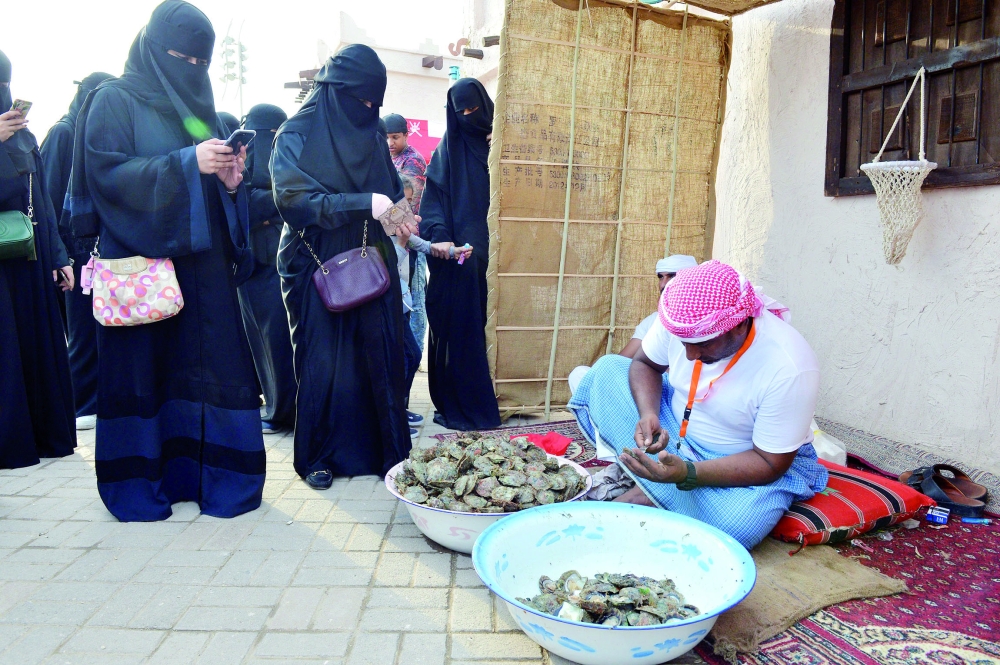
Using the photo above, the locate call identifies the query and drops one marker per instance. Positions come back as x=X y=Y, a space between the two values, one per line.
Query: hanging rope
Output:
x=621 y=189
x=677 y=119
x=565 y=230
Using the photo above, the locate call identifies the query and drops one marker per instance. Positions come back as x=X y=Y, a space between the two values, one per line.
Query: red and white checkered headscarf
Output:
x=704 y=302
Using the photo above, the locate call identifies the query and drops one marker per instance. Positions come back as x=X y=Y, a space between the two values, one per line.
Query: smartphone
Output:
x=240 y=138
x=21 y=106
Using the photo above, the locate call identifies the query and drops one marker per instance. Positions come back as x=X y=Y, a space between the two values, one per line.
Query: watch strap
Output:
x=691 y=481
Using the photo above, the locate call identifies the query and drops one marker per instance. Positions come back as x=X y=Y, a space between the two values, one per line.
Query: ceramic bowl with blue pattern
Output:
x=711 y=569
x=458 y=531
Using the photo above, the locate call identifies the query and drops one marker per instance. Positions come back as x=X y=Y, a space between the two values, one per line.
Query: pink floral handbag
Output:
x=132 y=291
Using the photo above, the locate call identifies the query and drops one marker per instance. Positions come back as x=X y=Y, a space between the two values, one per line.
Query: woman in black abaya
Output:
x=264 y=315
x=81 y=328
x=177 y=403
x=36 y=395
x=454 y=206
x=332 y=173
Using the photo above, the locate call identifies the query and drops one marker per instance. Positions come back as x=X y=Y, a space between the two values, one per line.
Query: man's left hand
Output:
x=667 y=468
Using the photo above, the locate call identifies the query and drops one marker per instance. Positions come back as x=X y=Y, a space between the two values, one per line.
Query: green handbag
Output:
x=17 y=230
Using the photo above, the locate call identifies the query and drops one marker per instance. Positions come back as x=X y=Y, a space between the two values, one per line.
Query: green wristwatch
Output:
x=691 y=481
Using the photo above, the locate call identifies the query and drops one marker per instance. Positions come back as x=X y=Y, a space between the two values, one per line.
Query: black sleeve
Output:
x=304 y=202
x=435 y=223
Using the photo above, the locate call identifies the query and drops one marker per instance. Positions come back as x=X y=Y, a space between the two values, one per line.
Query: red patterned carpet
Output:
x=950 y=615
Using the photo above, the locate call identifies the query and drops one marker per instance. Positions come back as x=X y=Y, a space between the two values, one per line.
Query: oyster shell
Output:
x=513 y=479
x=416 y=494
x=476 y=473
x=610 y=599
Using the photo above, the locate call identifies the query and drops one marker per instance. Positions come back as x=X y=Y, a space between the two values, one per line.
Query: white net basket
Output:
x=897 y=185
x=897 y=191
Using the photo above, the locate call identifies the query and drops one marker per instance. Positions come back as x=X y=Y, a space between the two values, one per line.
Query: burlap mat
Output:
x=790 y=588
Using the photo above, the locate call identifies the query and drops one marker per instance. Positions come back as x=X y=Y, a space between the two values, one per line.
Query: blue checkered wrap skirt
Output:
x=604 y=408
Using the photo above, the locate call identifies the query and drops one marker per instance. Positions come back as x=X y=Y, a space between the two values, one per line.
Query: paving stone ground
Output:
x=341 y=576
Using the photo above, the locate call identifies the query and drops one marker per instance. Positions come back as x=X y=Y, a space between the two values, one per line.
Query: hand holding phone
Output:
x=239 y=139
x=22 y=107
x=10 y=123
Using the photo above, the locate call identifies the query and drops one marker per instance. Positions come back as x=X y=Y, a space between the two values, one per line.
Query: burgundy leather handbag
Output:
x=351 y=278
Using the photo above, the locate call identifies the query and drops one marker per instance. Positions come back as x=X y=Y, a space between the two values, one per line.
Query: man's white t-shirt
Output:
x=767 y=399
x=644 y=326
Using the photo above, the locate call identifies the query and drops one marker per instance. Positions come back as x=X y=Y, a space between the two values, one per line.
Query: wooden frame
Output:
x=842 y=83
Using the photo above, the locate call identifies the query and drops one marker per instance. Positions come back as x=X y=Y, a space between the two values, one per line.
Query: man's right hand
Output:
x=10 y=123
x=646 y=429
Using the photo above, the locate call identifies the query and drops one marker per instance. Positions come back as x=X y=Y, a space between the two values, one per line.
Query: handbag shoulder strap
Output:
x=31 y=198
x=364 y=248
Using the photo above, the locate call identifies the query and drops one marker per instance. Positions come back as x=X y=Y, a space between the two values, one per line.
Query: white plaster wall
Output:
x=482 y=18
x=412 y=90
x=910 y=352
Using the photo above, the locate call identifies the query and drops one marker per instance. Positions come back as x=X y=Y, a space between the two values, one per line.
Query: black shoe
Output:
x=413 y=431
x=319 y=480
x=414 y=418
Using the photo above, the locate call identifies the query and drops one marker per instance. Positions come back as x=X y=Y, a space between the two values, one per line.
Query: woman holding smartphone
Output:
x=36 y=395
x=177 y=401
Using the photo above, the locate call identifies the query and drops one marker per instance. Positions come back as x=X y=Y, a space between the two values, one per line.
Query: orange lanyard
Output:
x=696 y=375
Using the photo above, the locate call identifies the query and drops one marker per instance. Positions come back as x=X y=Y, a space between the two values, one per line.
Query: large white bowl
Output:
x=458 y=531
x=711 y=569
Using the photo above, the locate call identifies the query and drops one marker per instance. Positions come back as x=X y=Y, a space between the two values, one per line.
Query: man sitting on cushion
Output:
x=738 y=452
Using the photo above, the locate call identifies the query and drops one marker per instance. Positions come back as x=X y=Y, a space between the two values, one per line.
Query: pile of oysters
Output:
x=610 y=599
x=477 y=474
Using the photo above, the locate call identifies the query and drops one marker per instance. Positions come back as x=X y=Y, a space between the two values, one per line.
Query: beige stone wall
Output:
x=910 y=352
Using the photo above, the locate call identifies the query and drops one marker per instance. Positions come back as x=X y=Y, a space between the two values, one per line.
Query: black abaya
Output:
x=81 y=327
x=177 y=407
x=454 y=207
x=326 y=164
x=264 y=315
x=36 y=395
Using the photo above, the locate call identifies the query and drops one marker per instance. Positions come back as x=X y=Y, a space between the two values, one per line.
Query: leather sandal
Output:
x=949 y=496
x=959 y=479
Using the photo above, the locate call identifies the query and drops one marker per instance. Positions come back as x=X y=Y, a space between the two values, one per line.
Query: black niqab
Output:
x=5 y=70
x=470 y=94
x=342 y=150
x=464 y=141
x=459 y=167
x=168 y=83
x=265 y=119
x=178 y=90
x=22 y=144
